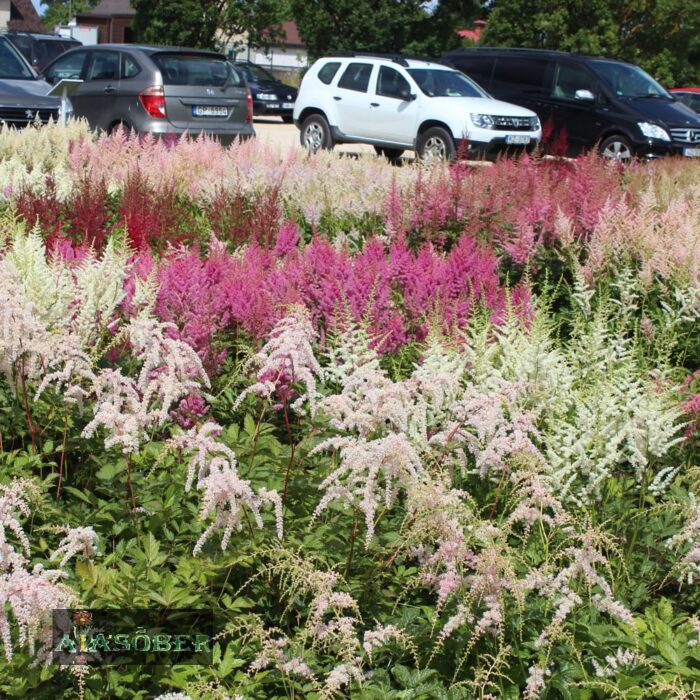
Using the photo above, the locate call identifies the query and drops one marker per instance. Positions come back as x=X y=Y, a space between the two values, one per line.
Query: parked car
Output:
x=23 y=97
x=398 y=104
x=41 y=49
x=271 y=97
x=689 y=96
x=594 y=102
x=157 y=90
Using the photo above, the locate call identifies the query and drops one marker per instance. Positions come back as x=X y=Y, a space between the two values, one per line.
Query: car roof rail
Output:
x=400 y=58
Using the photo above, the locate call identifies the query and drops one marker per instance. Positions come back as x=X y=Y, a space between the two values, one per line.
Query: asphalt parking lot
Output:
x=285 y=136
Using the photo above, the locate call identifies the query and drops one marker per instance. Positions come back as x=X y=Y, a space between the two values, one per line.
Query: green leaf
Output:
x=669 y=653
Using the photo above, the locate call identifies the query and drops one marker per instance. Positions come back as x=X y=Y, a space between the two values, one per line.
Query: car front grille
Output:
x=513 y=123
x=23 y=116
x=686 y=135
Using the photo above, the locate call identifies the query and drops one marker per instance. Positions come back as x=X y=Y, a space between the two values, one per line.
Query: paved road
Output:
x=285 y=136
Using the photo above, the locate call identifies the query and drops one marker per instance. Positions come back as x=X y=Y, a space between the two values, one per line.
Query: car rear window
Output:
x=193 y=69
x=46 y=51
x=327 y=73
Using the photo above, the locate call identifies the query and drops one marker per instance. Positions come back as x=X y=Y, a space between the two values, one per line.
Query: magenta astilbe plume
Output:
x=190 y=297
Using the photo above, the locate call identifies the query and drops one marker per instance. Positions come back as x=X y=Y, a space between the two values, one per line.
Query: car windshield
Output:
x=260 y=75
x=444 y=83
x=629 y=81
x=11 y=64
x=194 y=69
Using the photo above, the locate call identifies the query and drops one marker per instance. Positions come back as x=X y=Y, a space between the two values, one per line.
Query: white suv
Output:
x=397 y=103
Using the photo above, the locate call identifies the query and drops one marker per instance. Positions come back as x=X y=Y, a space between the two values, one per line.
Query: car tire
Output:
x=616 y=148
x=436 y=144
x=288 y=119
x=117 y=126
x=393 y=155
x=316 y=134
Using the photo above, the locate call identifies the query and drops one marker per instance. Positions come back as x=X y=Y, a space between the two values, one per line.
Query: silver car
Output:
x=157 y=90
x=23 y=98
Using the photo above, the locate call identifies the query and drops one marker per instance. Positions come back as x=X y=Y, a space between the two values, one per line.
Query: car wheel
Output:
x=393 y=155
x=316 y=134
x=288 y=119
x=616 y=148
x=436 y=145
x=118 y=126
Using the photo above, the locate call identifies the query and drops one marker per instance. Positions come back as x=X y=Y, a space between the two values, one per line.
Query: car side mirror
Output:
x=408 y=96
x=585 y=95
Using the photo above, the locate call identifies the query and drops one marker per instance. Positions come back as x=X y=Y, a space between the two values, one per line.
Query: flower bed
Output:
x=407 y=432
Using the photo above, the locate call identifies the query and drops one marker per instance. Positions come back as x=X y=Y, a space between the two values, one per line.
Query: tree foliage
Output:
x=208 y=23
x=411 y=26
x=61 y=11
x=662 y=36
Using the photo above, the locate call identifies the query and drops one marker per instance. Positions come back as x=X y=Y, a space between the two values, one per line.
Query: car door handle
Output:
x=109 y=89
x=374 y=104
x=336 y=98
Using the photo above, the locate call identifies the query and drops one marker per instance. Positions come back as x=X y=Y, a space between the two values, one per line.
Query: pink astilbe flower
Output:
x=13 y=503
x=190 y=411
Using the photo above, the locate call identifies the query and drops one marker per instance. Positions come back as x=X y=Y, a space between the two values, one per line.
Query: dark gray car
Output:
x=23 y=98
x=157 y=90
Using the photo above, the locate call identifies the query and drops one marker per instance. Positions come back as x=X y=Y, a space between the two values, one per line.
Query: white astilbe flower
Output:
x=688 y=567
x=119 y=410
x=274 y=653
x=381 y=635
x=558 y=588
x=491 y=426
x=287 y=359
x=79 y=541
x=614 y=663
x=13 y=503
x=73 y=370
x=536 y=682
x=437 y=380
x=370 y=472
x=99 y=289
x=23 y=338
x=171 y=369
x=341 y=677
x=48 y=286
x=207 y=452
x=369 y=402
x=28 y=597
x=32 y=597
x=226 y=496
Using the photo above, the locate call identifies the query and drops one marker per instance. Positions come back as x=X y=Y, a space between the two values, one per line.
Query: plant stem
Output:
x=63 y=456
x=292 y=447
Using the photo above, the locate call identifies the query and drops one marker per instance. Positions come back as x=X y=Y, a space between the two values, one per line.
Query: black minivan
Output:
x=587 y=102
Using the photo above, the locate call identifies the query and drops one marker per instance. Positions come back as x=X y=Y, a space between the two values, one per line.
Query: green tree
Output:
x=660 y=35
x=60 y=11
x=208 y=23
x=410 y=26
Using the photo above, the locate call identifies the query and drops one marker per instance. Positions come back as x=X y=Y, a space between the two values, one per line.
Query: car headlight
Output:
x=535 y=123
x=653 y=131
x=266 y=96
x=483 y=121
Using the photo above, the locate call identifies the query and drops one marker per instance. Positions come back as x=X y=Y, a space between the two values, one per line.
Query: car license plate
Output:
x=209 y=111
x=288 y=105
x=517 y=139
x=691 y=152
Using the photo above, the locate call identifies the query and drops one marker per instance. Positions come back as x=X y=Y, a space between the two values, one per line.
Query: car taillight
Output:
x=153 y=101
x=249 y=106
